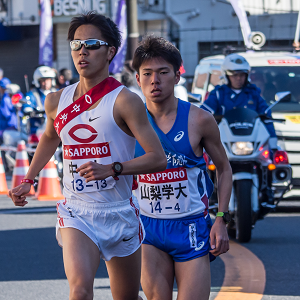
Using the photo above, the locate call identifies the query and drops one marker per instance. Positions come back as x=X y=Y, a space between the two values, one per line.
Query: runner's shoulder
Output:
x=52 y=100
x=202 y=117
x=127 y=99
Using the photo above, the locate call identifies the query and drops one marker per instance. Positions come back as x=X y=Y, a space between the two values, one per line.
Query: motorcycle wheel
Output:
x=243 y=212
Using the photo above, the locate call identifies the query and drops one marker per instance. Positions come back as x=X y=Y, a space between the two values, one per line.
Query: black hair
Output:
x=154 y=47
x=66 y=73
x=108 y=28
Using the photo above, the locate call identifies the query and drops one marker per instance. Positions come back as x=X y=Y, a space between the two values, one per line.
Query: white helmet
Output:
x=43 y=72
x=235 y=63
x=13 y=89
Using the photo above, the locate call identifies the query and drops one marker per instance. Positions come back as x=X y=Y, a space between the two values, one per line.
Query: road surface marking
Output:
x=245 y=275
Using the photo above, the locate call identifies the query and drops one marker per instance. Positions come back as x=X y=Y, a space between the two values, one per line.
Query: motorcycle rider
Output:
x=43 y=81
x=239 y=92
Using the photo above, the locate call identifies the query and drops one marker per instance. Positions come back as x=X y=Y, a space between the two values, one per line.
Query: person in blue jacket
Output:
x=238 y=92
x=44 y=81
x=8 y=117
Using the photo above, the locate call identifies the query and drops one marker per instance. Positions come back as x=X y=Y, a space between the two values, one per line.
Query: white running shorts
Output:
x=115 y=228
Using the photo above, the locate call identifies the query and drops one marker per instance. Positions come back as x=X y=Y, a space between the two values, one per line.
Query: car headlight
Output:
x=242 y=148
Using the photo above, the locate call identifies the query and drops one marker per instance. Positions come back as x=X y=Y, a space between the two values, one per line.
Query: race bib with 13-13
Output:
x=77 y=155
x=164 y=193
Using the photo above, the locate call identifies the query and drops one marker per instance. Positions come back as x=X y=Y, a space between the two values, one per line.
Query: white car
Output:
x=272 y=72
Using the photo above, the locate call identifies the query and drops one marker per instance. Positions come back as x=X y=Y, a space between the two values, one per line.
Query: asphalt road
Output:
x=31 y=265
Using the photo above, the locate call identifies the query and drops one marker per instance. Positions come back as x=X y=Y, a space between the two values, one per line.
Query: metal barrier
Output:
x=11 y=148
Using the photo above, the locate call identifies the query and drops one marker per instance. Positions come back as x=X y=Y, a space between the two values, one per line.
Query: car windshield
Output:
x=272 y=80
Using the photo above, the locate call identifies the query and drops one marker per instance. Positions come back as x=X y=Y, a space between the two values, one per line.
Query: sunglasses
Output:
x=91 y=44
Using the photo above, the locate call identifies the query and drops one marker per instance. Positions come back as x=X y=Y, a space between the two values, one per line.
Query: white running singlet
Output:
x=94 y=136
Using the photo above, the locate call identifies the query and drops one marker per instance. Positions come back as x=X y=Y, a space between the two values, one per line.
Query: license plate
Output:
x=294 y=119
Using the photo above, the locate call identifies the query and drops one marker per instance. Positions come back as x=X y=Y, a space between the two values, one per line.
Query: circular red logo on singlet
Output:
x=94 y=133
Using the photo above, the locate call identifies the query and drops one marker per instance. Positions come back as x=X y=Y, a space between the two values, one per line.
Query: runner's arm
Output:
x=130 y=112
x=214 y=148
x=154 y=160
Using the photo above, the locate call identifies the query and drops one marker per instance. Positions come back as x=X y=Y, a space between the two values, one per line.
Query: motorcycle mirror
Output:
x=280 y=96
x=194 y=98
x=283 y=96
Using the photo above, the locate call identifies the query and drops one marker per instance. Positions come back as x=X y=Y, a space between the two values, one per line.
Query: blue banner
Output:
x=116 y=66
x=46 y=27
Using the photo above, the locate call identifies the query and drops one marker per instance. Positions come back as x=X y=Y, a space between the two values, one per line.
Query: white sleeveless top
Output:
x=94 y=136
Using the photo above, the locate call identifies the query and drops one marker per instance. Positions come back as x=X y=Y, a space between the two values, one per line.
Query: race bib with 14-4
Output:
x=164 y=193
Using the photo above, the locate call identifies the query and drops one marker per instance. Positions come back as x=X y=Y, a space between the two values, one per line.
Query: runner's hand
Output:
x=219 y=240
x=94 y=171
x=18 y=193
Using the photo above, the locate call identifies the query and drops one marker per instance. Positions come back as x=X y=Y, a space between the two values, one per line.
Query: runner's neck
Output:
x=85 y=85
x=162 y=109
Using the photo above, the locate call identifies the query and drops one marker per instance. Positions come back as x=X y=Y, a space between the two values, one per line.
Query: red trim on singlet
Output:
x=137 y=213
x=84 y=102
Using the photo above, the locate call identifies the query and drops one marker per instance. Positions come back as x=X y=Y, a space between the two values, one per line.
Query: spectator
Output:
x=8 y=117
x=64 y=77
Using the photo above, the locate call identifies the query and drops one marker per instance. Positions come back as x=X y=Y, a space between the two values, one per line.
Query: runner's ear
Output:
x=111 y=52
x=137 y=76
x=177 y=77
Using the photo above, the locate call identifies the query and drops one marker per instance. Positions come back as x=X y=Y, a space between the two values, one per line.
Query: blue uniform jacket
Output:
x=223 y=99
x=33 y=101
x=35 y=123
x=8 y=117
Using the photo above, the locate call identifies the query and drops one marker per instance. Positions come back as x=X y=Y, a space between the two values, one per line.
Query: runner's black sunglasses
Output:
x=91 y=44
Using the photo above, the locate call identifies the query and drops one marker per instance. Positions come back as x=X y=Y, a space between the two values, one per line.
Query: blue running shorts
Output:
x=183 y=239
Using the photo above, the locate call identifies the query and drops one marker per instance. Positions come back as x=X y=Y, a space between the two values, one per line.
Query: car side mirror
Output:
x=194 y=98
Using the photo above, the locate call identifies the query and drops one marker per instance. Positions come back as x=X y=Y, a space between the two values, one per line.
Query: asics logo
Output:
x=200 y=246
x=179 y=136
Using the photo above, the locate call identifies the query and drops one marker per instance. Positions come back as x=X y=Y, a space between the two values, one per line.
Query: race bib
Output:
x=164 y=193
x=77 y=155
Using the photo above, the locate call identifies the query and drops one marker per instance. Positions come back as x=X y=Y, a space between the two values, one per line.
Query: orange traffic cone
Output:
x=21 y=167
x=49 y=187
x=3 y=184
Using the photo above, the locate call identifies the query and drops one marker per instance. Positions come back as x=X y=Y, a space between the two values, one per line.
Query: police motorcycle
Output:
x=259 y=183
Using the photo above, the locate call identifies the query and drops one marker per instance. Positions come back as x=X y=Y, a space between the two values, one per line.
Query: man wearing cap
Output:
x=238 y=92
x=8 y=117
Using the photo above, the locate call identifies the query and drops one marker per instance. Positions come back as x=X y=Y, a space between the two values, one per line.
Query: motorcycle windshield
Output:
x=241 y=120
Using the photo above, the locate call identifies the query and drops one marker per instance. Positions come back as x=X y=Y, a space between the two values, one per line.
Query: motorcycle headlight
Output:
x=242 y=148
